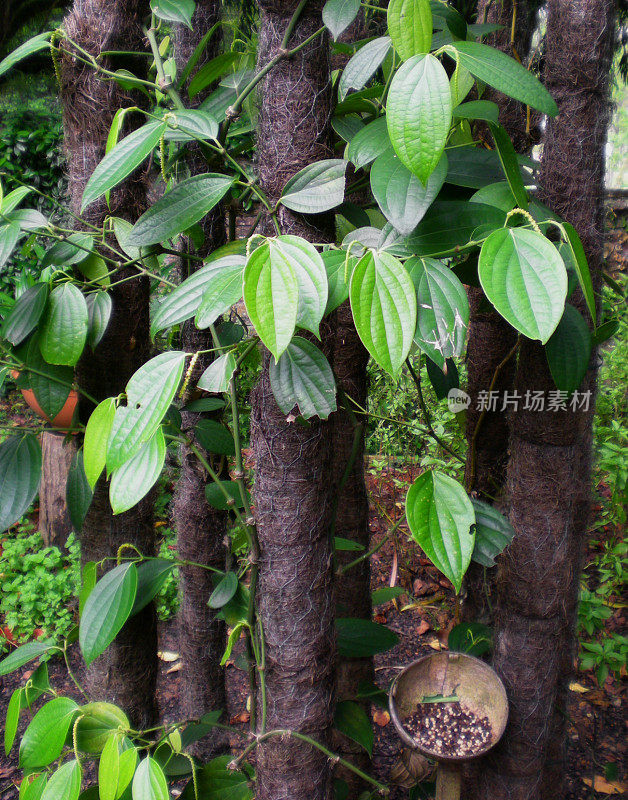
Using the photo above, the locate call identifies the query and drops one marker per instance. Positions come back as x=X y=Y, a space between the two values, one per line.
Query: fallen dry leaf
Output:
x=381 y=717
x=600 y=784
x=243 y=716
x=435 y=644
x=166 y=655
x=424 y=627
x=577 y=687
x=174 y=668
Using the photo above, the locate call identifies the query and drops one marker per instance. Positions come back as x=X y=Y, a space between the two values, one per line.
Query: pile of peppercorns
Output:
x=448 y=729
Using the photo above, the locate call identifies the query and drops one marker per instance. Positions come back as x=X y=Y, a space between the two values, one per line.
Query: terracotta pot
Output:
x=63 y=420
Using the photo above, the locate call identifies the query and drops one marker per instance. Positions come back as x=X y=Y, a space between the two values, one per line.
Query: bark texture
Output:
x=201 y=529
x=126 y=673
x=56 y=458
x=491 y=338
x=292 y=480
x=353 y=590
x=549 y=470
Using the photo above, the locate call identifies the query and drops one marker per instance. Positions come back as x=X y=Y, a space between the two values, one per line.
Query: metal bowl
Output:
x=474 y=682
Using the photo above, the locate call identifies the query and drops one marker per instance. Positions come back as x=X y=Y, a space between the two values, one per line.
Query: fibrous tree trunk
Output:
x=578 y=56
x=126 y=673
x=549 y=468
x=353 y=589
x=201 y=529
x=292 y=481
x=491 y=338
x=57 y=451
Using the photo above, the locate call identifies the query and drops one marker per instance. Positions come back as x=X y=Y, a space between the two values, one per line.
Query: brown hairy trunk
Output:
x=579 y=51
x=491 y=338
x=550 y=463
x=293 y=462
x=57 y=452
x=201 y=529
x=353 y=589
x=126 y=673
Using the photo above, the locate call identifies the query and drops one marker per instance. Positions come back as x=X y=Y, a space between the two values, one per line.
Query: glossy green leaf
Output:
x=452 y=18
x=223 y=291
x=419 y=114
x=28 y=219
x=132 y=481
x=401 y=196
x=65 y=783
x=224 y=591
x=504 y=74
x=25 y=314
x=495 y=194
x=214 y=437
x=180 y=11
x=271 y=295
x=51 y=384
x=217 y=376
x=440 y=516
x=96 y=724
x=442 y=309
x=442 y=380
x=99 y=307
x=20 y=472
x=473 y=167
x=383 y=302
x=449 y=226
x=183 y=302
x=106 y=610
x=316 y=188
x=361 y=638
x=363 y=65
x=477 y=109
x=568 y=350
x=204 y=404
x=351 y=720
x=65 y=326
x=493 y=533
x=149 y=393
x=473 y=638
x=78 y=493
x=72 y=250
x=109 y=769
x=95 y=270
x=151 y=576
x=347 y=545
x=210 y=72
x=410 y=27
x=215 y=781
x=45 y=736
x=9 y=235
x=23 y=654
x=510 y=165
x=215 y=495
x=12 y=719
x=128 y=763
x=339 y=14
x=192 y=125
x=303 y=377
x=97 y=433
x=371 y=141
x=581 y=266
x=385 y=594
x=149 y=781
x=32 y=786
x=14 y=198
x=177 y=210
x=120 y=162
x=33 y=45
x=524 y=277
x=336 y=264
